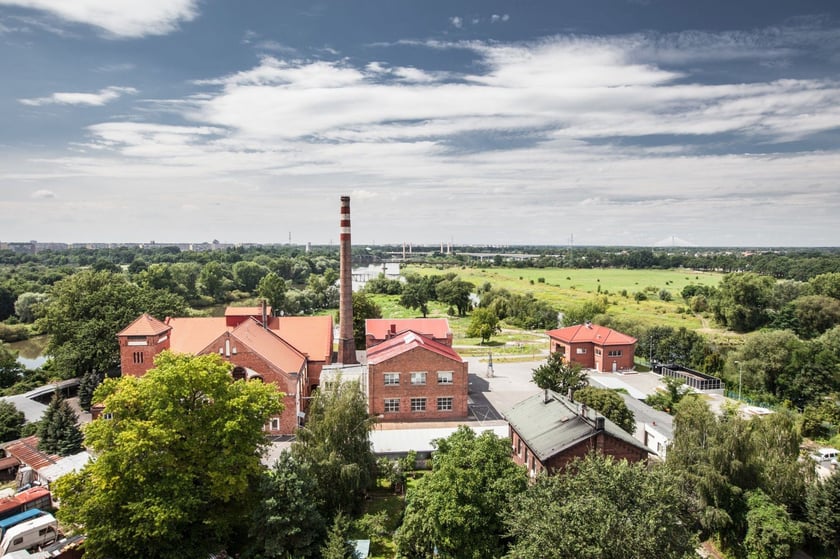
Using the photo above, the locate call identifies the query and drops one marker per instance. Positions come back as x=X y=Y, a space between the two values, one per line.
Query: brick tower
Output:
x=346 y=343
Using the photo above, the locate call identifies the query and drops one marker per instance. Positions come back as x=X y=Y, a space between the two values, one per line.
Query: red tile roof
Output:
x=191 y=335
x=311 y=335
x=144 y=325
x=270 y=346
x=380 y=327
x=408 y=341
x=246 y=311
x=583 y=333
x=26 y=450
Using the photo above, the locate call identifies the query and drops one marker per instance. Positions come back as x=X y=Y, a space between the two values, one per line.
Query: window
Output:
x=17 y=541
x=392 y=379
x=597 y=351
x=561 y=349
x=138 y=357
x=275 y=423
x=418 y=378
x=580 y=350
x=392 y=405
x=614 y=353
x=518 y=446
x=418 y=404
x=444 y=403
x=444 y=377
x=107 y=415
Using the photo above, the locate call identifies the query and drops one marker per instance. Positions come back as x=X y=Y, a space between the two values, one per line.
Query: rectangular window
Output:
x=614 y=353
x=392 y=379
x=392 y=405
x=597 y=351
x=418 y=378
x=275 y=423
x=444 y=403
x=138 y=357
x=580 y=350
x=518 y=446
x=445 y=377
x=561 y=349
x=418 y=404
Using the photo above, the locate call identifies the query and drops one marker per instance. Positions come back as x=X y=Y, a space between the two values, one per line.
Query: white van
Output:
x=37 y=532
x=825 y=455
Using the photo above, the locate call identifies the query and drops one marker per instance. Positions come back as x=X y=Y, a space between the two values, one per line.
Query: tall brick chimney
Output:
x=346 y=344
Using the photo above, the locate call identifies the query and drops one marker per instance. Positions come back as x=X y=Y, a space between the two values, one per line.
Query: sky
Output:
x=597 y=122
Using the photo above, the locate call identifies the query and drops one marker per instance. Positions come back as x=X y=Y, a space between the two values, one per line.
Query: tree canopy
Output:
x=58 y=432
x=559 y=375
x=174 y=464
x=483 y=324
x=610 y=404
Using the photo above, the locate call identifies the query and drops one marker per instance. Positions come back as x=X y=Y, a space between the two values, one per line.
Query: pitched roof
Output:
x=311 y=335
x=408 y=341
x=26 y=450
x=246 y=311
x=600 y=335
x=380 y=327
x=192 y=334
x=552 y=426
x=144 y=325
x=270 y=346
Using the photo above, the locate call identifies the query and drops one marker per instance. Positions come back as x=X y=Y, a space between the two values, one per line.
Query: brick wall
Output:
x=418 y=359
x=136 y=360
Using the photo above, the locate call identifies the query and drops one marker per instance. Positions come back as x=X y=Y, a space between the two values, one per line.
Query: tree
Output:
x=602 y=508
x=213 y=281
x=823 y=511
x=58 y=432
x=742 y=300
x=335 y=444
x=587 y=310
x=771 y=532
x=363 y=308
x=87 y=385
x=416 y=294
x=11 y=421
x=484 y=324
x=765 y=362
x=273 y=289
x=456 y=294
x=815 y=314
x=85 y=311
x=826 y=284
x=248 y=274
x=10 y=368
x=667 y=400
x=175 y=463
x=26 y=306
x=559 y=375
x=458 y=507
x=286 y=521
x=610 y=404
x=338 y=545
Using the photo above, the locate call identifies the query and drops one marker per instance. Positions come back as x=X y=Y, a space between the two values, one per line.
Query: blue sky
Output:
x=621 y=122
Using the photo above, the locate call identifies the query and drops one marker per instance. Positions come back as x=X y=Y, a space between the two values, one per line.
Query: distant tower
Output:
x=346 y=343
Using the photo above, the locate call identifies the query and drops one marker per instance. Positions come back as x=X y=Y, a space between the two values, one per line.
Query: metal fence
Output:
x=693 y=380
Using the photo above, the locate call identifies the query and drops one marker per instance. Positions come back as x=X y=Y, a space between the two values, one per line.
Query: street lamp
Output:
x=740 y=377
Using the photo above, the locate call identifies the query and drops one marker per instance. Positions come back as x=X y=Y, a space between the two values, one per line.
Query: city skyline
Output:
x=621 y=122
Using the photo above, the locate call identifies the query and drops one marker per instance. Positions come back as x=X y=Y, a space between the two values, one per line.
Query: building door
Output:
x=614 y=366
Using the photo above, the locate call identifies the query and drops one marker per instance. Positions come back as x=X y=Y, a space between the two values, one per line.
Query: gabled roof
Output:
x=270 y=346
x=192 y=334
x=145 y=325
x=246 y=311
x=550 y=426
x=311 y=335
x=407 y=341
x=380 y=327
x=26 y=450
x=600 y=335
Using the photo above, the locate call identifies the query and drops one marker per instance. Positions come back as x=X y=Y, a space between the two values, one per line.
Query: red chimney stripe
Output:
x=345 y=209
x=345 y=223
x=344 y=237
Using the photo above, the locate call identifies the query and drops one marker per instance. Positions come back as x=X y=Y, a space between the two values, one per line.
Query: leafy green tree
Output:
x=771 y=532
x=174 y=465
x=610 y=404
x=159 y=276
x=11 y=421
x=286 y=521
x=821 y=417
x=823 y=511
x=10 y=368
x=247 y=275
x=483 y=324
x=455 y=293
x=87 y=385
x=363 y=308
x=457 y=508
x=335 y=444
x=586 y=311
x=560 y=375
x=742 y=301
x=58 y=432
x=416 y=294
x=765 y=362
x=815 y=314
x=337 y=545
x=826 y=284
x=214 y=281
x=272 y=288
x=26 y=306
x=84 y=313
x=602 y=508
x=667 y=400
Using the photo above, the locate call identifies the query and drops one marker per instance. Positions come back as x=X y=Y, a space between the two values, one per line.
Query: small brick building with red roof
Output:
x=594 y=347
x=412 y=378
x=288 y=352
x=378 y=330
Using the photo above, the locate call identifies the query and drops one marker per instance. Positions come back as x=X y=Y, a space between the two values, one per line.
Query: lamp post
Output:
x=740 y=377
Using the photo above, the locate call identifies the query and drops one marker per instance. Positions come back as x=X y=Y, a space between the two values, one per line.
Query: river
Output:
x=31 y=351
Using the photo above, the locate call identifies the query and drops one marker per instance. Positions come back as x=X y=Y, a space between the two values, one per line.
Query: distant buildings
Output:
x=594 y=347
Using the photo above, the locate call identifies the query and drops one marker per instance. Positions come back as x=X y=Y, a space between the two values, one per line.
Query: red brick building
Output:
x=288 y=351
x=594 y=347
x=547 y=431
x=412 y=378
x=378 y=330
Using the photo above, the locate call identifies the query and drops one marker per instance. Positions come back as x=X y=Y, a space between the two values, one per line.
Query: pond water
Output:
x=31 y=351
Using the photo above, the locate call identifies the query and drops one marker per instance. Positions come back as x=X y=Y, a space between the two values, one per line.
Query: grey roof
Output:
x=553 y=424
x=68 y=464
x=419 y=439
x=32 y=409
x=643 y=413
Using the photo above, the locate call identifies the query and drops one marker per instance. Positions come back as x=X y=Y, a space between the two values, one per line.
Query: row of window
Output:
x=610 y=353
x=392 y=405
x=418 y=378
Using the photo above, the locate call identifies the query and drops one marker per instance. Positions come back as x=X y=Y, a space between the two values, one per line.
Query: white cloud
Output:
x=496 y=18
x=97 y=99
x=120 y=18
x=456 y=22
x=43 y=194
